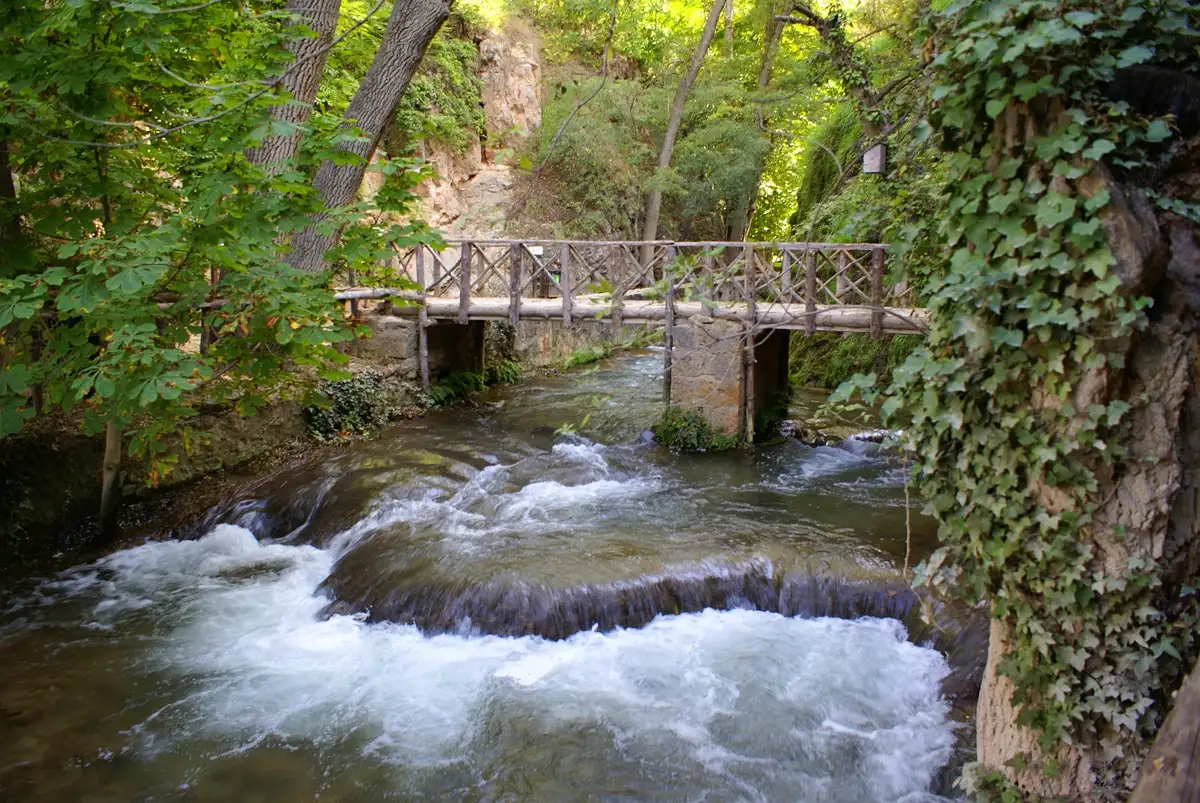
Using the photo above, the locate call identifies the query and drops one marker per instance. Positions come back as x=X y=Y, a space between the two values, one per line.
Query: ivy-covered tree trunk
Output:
x=850 y=65
x=1146 y=498
x=411 y=27
x=1053 y=411
x=674 y=121
x=302 y=79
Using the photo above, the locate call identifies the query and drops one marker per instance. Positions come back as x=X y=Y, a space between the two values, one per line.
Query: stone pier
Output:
x=715 y=371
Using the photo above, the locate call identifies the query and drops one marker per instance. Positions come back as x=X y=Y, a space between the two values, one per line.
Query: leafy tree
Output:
x=146 y=274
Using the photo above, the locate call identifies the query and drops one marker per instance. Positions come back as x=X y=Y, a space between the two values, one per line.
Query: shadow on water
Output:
x=523 y=599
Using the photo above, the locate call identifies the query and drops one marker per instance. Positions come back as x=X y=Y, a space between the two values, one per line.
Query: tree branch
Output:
x=157 y=11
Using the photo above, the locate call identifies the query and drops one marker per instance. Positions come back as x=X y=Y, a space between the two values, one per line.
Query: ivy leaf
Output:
x=1098 y=148
x=1053 y=209
x=1002 y=336
x=996 y=106
x=985 y=47
x=1157 y=131
x=1137 y=54
x=1081 y=19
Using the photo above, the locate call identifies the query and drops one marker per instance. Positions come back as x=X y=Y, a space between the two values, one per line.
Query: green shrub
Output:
x=831 y=159
x=457 y=385
x=689 y=431
x=586 y=356
x=826 y=359
x=354 y=406
x=504 y=373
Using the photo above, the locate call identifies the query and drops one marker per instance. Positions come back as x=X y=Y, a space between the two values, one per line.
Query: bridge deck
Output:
x=825 y=318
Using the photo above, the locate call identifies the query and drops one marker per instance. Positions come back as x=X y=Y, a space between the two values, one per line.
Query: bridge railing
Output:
x=801 y=280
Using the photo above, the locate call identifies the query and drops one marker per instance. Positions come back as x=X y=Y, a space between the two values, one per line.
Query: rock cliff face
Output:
x=471 y=197
x=475 y=189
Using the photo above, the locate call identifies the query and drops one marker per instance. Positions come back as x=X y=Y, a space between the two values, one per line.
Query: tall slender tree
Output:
x=674 y=121
x=411 y=27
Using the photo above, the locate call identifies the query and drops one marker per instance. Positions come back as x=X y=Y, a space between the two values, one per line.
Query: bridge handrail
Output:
x=488 y=277
x=778 y=245
x=790 y=285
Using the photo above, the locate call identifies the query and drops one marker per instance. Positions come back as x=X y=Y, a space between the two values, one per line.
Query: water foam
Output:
x=525 y=497
x=735 y=700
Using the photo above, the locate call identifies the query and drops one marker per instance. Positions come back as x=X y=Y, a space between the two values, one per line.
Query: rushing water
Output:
x=522 y=601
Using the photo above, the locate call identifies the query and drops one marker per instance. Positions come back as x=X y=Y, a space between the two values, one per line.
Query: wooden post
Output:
x=785 y=278
x=565 y=282
x=422 y=322
x=840 y=284
x=464 y=284
x=810 y=291
x=877 y=293
x=516 y=258
x=618 y=288
x=669 y=329
x=751 y=326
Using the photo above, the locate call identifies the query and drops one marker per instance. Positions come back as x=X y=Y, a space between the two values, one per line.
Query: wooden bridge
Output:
x=726 y=309
x=813 y=287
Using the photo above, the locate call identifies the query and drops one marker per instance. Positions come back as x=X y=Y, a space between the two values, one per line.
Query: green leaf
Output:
x=104 y=386
x=15 y=379
x=1053 y=209
x=1157 y=131
x=13 y=417
x=1098 y=148
x=1137 y=54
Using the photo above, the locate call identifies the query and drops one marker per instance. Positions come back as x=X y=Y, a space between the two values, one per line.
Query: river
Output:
x=519 y=600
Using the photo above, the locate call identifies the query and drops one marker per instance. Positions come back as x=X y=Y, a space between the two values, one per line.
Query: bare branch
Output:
x=157 y=11
x=113 y=123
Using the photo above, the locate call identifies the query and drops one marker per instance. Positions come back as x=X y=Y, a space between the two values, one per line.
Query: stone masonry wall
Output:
x=707 y=373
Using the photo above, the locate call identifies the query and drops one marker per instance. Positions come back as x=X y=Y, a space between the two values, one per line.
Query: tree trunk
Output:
x=674 y=120
x=729 y=29
x=1172 y=770
x=411 y=27
x=846 y=62
x=110 y=487
x=1148 y=501
x=301 y=81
